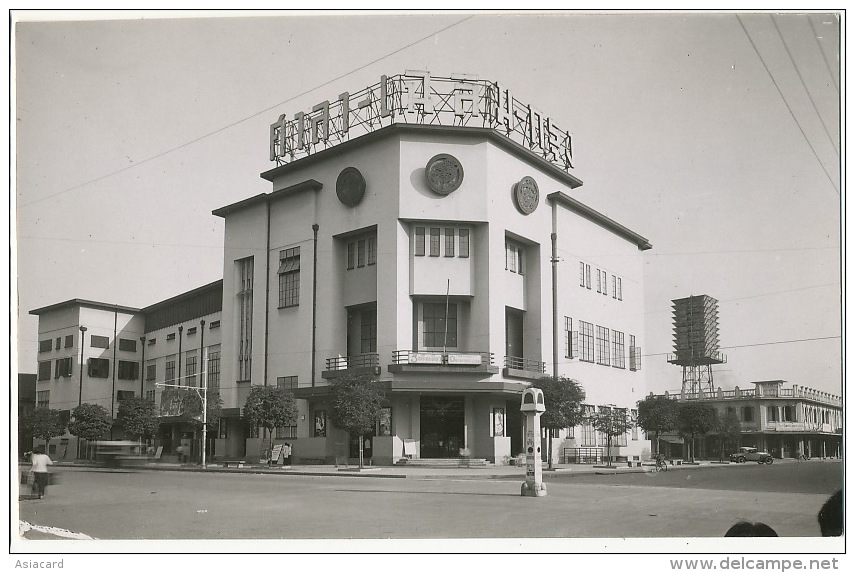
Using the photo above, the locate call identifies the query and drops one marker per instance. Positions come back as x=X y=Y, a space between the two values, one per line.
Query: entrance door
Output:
x=442 y=421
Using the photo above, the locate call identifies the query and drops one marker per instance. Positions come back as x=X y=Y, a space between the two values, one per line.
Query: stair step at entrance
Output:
x=443 y=462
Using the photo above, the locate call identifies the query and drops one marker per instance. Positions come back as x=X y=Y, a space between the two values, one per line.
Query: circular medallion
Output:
x=350 y=186
x=527 y=195
x=444 y=174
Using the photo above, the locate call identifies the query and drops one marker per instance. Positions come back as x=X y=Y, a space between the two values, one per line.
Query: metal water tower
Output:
x=696 y=341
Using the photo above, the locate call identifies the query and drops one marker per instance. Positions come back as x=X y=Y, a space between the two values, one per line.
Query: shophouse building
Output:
x=774 y=416
x=442 y=250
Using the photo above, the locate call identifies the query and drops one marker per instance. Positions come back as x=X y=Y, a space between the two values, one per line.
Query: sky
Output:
x=714 y=135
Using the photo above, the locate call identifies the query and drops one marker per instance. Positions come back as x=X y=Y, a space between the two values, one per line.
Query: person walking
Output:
x=41 y=461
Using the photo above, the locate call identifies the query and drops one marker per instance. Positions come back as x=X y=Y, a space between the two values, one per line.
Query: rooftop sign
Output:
x=417 y=97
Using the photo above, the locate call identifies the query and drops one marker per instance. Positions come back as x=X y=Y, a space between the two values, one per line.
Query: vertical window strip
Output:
x=360 y=253
x=586 y=341
x=581 y=274
x=614 y=286
x=464 y=243
x=372 y=250
x=420 y=242
x=434 y=241
x=603 y=357
x=588 y=276
x=351 y=256
x=449 y=241
x=618 y=354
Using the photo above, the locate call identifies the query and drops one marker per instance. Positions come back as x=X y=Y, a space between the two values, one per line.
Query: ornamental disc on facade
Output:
x=527 y=195
x=444 y=173
x=350 y=186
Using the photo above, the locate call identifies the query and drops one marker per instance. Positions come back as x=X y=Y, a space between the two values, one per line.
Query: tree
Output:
x=611 y=422
x=695 y=419
x=728 y=428
x=355 y=403
x=563 y=399
x=138 y=417
x=89 y=422
x=270 y=407
x=657 y=415
x=44 y=424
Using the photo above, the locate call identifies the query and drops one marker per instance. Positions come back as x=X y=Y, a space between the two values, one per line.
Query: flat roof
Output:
x=84 y=303
x=400 y=128
x=597 y=217
x=216 y=285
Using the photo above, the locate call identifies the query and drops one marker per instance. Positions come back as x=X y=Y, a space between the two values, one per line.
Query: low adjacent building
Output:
x=782 y=419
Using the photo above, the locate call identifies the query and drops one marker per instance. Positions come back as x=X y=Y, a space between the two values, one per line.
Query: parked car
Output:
x=748 y=454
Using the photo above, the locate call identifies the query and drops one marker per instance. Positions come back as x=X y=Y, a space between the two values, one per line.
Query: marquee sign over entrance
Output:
x=419 y=98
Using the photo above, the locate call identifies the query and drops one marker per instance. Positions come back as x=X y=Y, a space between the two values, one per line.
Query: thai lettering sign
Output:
x=416 y=97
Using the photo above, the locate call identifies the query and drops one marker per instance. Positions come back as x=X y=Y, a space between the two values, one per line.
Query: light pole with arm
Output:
x=80 y=390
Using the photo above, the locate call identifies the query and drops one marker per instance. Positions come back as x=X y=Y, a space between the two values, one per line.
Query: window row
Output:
x=213 y=372
x=96 y=368
x=214 y=324
x=95 y=341
x=442 y=241
x=603 y=346
x=602 y=281
x=361 y=252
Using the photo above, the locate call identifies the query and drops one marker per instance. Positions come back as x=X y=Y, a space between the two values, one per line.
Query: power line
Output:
x=247 y=118
x=780 y=93
x=824 y=56
x=804 y=85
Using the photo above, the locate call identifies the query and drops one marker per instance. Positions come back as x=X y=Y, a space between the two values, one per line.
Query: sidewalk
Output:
x=411 y=472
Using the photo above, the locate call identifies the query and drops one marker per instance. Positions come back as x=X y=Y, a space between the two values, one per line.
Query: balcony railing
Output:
x=440 y=358
x=355 y=361
x=526 y=364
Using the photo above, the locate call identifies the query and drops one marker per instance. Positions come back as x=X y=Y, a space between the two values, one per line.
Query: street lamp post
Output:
x=80 y=390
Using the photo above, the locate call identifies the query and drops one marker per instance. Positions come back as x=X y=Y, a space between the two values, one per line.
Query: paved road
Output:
x=165 y=505
x=815 y=476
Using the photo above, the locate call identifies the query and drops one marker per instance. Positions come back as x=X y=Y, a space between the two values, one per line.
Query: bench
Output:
x=232 y=463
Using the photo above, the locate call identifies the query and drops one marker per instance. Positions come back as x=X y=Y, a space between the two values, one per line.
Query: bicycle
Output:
x=660 y=466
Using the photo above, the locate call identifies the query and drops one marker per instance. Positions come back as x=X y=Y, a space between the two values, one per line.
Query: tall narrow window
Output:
x=372 y=250
x=449 y=241
x=464 y=243
x=440 y=332
x=419 y=249
x=588 y=276
x=69 y=340
x=213 y=377
x=289 y=277
x=619 y=289
x=351 y=256
x=151 y=371
x=244 y=302
x=571 y=339
x=170 y=369
x=603 y=346
x=605 y=283
x=368 y=331
x=191 y=371
x=599 y=282
x=360 y=253
x=43 y=398
x=434 y=241
x=614 y=286
x=586 y=341
x=581 y=274
x=619 y=352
